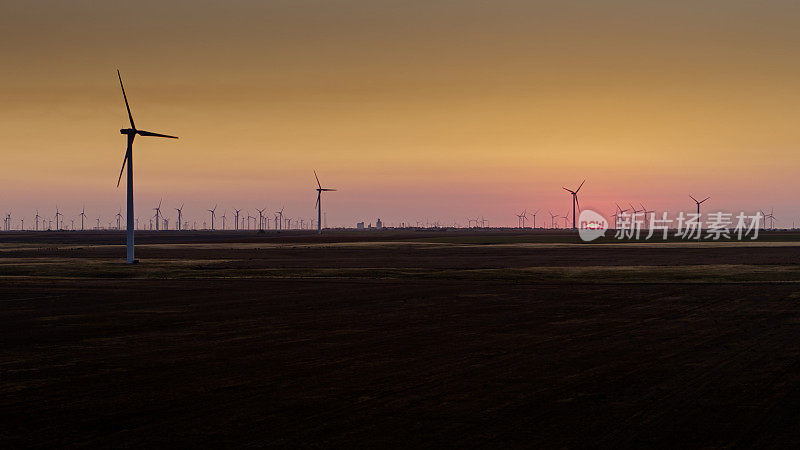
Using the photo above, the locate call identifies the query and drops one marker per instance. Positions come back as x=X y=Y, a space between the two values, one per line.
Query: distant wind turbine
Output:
x=158 y=213
x=131 y=134
x=698 y=212
x=318 y=206
x=575 y=203
x=180 y=215
x=213 y=213
x=260 y=219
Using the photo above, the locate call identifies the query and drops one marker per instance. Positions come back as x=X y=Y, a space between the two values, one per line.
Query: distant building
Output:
x=379 y=224
x=360 y=225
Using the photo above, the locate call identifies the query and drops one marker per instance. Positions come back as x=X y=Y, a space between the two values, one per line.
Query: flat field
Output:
x=402 y=338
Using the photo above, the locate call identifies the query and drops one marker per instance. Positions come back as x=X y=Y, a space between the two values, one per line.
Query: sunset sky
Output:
x=412 y=109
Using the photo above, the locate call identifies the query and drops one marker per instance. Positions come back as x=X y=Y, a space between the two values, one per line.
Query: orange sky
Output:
x=414 y=110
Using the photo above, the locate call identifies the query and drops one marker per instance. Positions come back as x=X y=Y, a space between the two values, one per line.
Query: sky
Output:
x=433 y=110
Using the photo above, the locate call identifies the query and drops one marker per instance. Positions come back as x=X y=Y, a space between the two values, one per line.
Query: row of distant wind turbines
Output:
x=162 y=222
x=576 y=207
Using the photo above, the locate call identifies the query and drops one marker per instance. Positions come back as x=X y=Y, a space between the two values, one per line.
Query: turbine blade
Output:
x=127 y=155
x=149 y=133
x=705 y=199
x=562 y=187
x=316 y=205
x=329 y=189
x=577 y=202
x=692 y=198
x=318 y=183
x=579 y=187
x=124 y=160
x=130 y=116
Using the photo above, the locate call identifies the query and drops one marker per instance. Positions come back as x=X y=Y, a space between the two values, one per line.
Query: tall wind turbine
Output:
x=131 y=134
x=83 y=216
x=37 y=220
x=260 y=219
x=617 y=214
x=574 y=202
x=318 y=206
x=180 y=215
x=646 y=212
x=699 y=235
x=279 y=221
x=534 y=218
x=771 y=217
x=58 y=214
x=236 y=224
x=520 y=219
x=213 y=213
x=119 y=218
x=158 y=213
x=223 y=219
x=552 y=219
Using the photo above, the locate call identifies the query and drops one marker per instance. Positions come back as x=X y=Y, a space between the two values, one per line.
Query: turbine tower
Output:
x=260 y=219
x=83 y=216
x=279 y=222
x=318 y=206
x=699 y=234
x=180 y=214
x=236 y=224
x=158 y=213
x=131 y=134
x=58 y=214
x=574 y=202
x=213 y=213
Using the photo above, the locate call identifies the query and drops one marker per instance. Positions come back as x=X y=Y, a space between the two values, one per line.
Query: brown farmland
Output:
x=460 y=338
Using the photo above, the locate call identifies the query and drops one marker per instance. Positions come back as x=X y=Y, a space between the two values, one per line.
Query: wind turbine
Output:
x=180 y=214
x=223 y=219
x=236 y=225
x=520 y=219
x=617 y=214
x=158 y=213
x=83 y=216
x=213 y=213
x=635 y=212
x=58 y=214
x=771 y=217
x=260 y=219
x=131 y=134
x=318 y=206
x=279 y=222
x=119 y=218
x=699 y=235
x=552 y=219
x=574 y=202
x=534 y=219
x=37 y=221
x=646 y=212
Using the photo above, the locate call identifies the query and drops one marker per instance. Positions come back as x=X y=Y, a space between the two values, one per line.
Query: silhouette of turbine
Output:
x=131 y=134
x=318 y=206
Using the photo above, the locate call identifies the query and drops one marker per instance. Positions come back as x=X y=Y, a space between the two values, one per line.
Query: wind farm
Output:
x=419 y=301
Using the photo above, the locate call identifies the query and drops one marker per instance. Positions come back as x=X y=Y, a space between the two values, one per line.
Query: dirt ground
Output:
x=402 y=339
